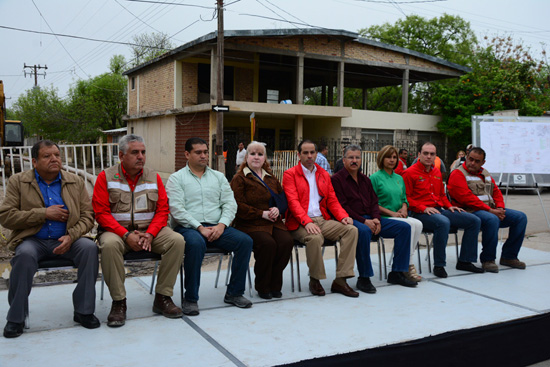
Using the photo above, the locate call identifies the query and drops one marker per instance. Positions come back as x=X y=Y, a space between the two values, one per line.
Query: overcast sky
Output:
x=70 y=59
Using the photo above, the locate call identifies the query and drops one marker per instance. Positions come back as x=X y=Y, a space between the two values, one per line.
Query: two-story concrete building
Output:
x=170 y=98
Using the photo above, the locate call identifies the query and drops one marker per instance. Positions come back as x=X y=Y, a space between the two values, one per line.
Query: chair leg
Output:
x=181 y=283
x=153 y=277
x=384 y=256
x=379 y=259
x=428 y=243
x=419 y=260
x=298 y=269
x=456 y=247
x=249 y=283
x=102 y=286
x=219 y=269
x=27 y=321
x=336 y=256
x=228 y=269
x=291 y=272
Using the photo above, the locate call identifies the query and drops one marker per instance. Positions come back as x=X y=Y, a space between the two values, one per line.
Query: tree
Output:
x=149 y=46
x=448 y=37
x=100 y=102
x=504 y=77
x=42 y=113
x=92 y=105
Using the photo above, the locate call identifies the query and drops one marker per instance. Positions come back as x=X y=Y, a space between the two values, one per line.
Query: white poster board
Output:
x=516 y=147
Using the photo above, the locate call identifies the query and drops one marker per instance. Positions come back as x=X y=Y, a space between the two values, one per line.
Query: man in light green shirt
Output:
x=202 y=207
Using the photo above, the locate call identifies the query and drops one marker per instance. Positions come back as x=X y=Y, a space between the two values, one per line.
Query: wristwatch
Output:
x=125 y=236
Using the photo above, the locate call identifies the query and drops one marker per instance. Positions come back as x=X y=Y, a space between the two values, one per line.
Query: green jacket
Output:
x=24 y=212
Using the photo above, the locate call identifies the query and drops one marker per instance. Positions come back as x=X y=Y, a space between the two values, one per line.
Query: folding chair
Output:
x=429 y=243
x=216 y=251
x=297 y=245
x=141 y=256
x=47 y=264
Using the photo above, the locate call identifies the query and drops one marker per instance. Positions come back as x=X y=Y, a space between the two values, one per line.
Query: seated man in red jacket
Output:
x=471 y=187
x=429 y=204
x=310 y=198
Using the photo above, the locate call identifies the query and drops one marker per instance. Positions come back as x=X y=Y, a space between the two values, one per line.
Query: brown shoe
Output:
x=117 y=316
x=165 y=306
x=345 y=289
x=412 y=274
x=316 y=288
x=490 y=266
x=513 y=263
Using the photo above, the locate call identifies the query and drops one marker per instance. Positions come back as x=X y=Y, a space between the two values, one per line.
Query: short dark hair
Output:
x=35 y=150
x=402 y=150
x=193 y=141
x=322 y=146
x=478 y=150
x=306 y=141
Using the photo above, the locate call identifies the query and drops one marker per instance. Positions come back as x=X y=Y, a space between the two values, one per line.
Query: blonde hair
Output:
x=256 y=144
x=386 y=152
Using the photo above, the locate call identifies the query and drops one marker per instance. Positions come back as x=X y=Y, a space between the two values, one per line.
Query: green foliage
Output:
x=42 y=112
x=505 y=77
x=448 y=37
x=92 y=105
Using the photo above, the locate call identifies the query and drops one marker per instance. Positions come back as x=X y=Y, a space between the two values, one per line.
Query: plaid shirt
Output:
x=322 y=161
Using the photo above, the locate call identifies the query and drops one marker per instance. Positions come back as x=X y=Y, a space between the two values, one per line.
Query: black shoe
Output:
x=13 y=329
x=88 y=321
x=364 y=285
x=276 y=294
x=465 y=266
x=439 y=271
x=264 y=295
x=398 y=277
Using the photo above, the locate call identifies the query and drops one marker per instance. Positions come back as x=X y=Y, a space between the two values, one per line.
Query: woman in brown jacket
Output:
x=272 y=242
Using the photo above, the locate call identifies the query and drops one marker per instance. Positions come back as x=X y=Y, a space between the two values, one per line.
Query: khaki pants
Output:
x=167 y=243
x=334 y=231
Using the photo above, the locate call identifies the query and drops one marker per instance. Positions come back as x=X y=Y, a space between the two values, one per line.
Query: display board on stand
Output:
x=518 y=150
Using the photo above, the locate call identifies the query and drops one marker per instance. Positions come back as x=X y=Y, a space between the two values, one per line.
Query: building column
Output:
x=405 y=90
x=178 y=84
x=300 y=80
x=298 y=127
x=365 y=95
x=213 y=75
x=340 y=84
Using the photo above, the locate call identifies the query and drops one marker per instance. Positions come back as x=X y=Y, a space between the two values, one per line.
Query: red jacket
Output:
x=464 y=197
x=102 y=207
x=401 y=167
x=424 y=189
x=297 y=193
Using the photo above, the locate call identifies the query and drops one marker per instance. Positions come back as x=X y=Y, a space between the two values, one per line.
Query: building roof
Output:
x=300 y=32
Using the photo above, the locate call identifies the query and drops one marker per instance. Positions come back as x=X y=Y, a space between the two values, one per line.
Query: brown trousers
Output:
x=272 y=253
x=334 y=231
x=168 y=243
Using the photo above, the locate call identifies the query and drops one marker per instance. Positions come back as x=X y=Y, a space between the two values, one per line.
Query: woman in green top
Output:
x=392 y=199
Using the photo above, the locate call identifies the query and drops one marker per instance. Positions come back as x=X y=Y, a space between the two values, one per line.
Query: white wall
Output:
x=391 y=121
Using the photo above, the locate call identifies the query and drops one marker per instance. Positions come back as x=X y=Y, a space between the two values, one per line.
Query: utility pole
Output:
x=219 y=94
x=34 y=70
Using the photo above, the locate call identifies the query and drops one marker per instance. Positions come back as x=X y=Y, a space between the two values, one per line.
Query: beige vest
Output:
x=482 y=188
x=133 y=210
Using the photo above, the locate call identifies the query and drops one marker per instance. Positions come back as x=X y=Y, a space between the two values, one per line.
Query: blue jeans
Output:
x=195 y=247
x=516 y=220
x=400 y=231
x=440 y=224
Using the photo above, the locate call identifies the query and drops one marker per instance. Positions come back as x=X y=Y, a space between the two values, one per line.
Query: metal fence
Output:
x=285 y=159
x=80 y=158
